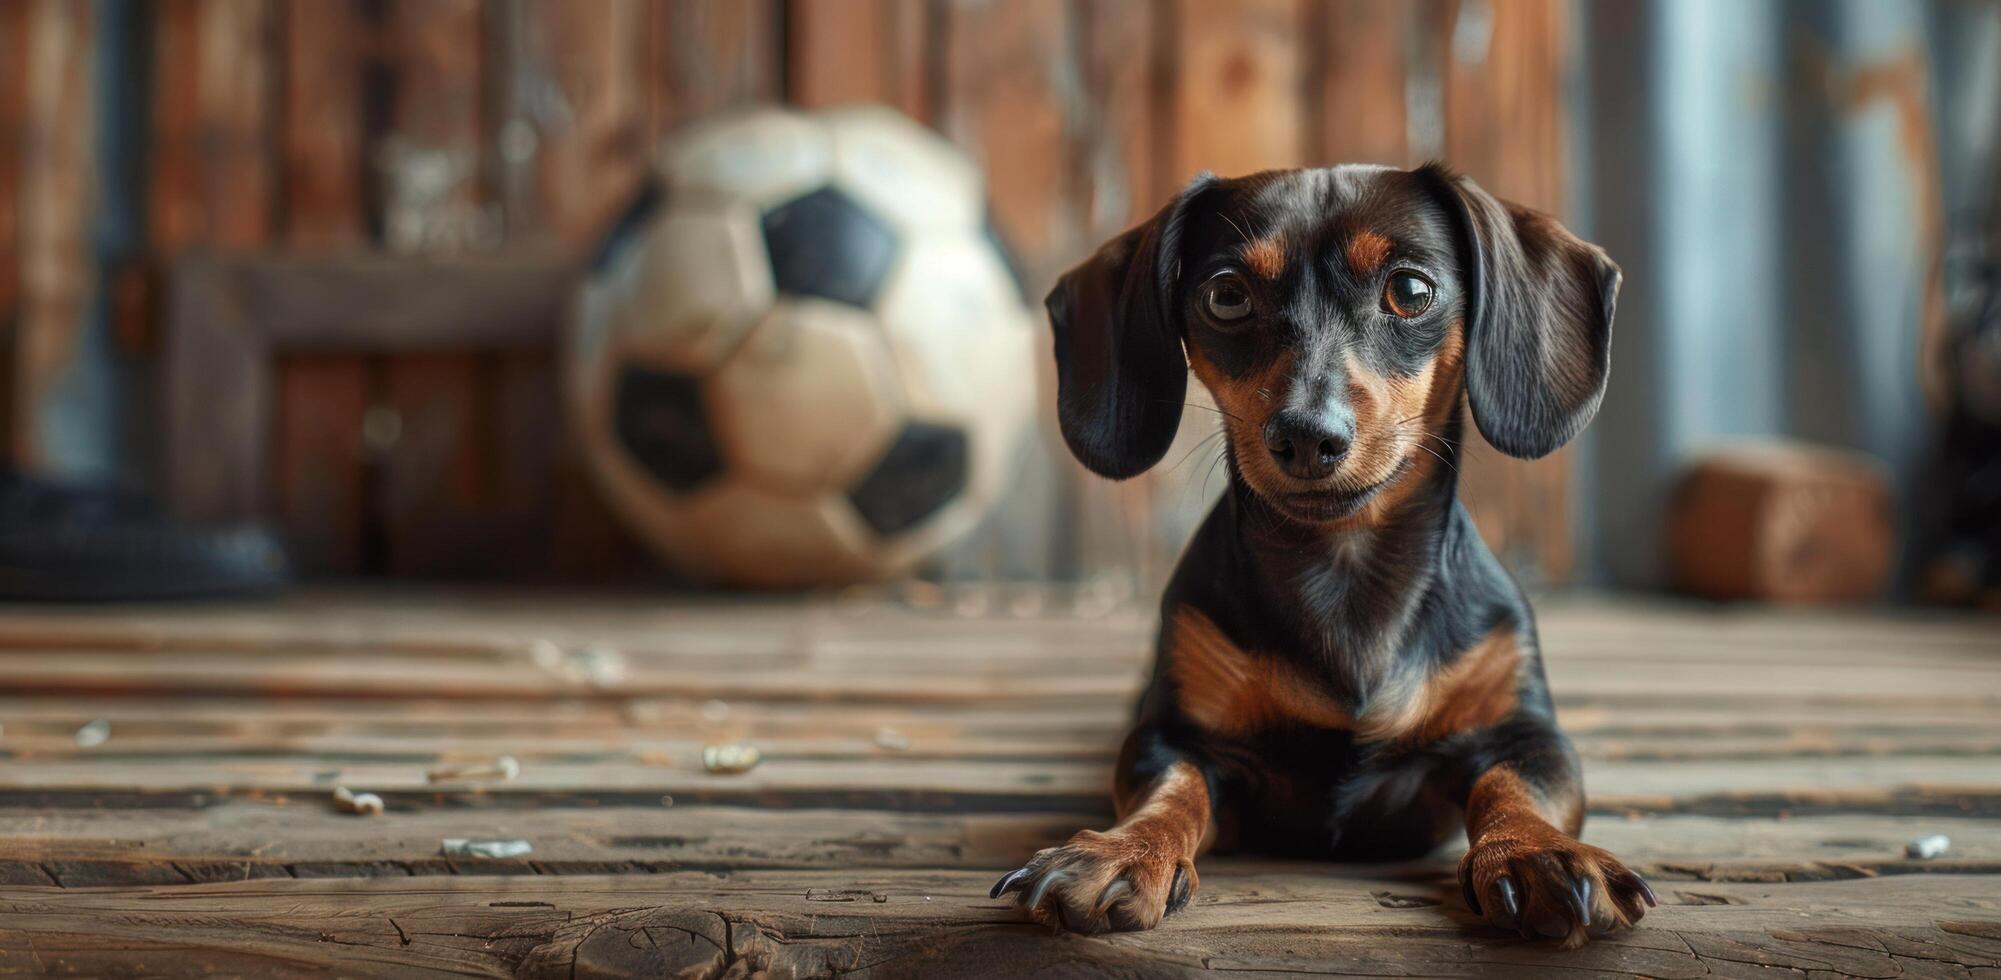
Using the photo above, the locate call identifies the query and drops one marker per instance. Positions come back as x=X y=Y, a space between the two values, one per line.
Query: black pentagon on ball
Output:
x=825 y=245
x=924 y=469
x=659 y=418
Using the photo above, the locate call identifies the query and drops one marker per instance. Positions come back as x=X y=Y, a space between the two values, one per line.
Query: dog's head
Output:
x=1335 y=315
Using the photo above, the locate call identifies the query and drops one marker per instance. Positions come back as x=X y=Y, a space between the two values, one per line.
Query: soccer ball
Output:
x=802 y=358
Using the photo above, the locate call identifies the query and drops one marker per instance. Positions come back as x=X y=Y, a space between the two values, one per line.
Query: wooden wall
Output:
x=426 y=126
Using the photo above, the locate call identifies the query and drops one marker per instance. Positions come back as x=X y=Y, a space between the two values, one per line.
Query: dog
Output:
x=1344 y=671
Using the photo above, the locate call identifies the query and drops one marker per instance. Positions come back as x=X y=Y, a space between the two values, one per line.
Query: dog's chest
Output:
x=1233 y=692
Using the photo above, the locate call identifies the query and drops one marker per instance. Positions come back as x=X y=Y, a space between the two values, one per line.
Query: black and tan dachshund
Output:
x=1344 y=670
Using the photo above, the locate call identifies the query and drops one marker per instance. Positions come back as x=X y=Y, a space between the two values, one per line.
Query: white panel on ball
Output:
x=757 y=156
x=758 y=536
x=705 y=280
x=809 y=399
x=910 y=176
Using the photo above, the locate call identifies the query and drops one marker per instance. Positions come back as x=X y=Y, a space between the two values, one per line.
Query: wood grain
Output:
x=842 y=52
x=13 y=116
x=56 y=189
x=592 y=156
x=324 y=135
x=890 y=924
x=1764 y=769
x=709 y=55
x=1364 y=78
x=320 y=488
x=214 y=114
x=1504 y=112
x=1239 y=87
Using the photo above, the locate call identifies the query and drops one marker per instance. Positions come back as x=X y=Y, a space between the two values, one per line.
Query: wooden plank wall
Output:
x=304 y=125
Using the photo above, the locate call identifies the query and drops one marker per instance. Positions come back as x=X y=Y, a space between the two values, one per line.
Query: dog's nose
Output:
x=1306 y=445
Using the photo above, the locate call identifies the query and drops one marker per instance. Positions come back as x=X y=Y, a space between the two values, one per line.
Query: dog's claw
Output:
x=1118 y=889
x=1472 y=898
x=1640 y=884
x=1179 y=891
x=1510 y=902
x=1009 y=882
x=1579 y=897
x=1036 y=894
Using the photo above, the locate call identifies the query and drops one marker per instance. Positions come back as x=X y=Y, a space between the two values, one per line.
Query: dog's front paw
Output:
x=1541 y=882
x=1117 y=881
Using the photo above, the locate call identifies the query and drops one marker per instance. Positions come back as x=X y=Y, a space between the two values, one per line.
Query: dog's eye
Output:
x=1226 y=298
x=1407 y=295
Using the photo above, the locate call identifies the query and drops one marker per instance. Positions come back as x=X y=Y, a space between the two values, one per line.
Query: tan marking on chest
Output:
x=1231 y=691
x=1474 y=691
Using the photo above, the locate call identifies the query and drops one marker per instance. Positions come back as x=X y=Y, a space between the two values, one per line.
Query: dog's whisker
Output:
x=1233 y=224
x=1208 y=408
x=1420 y=444
x=1192 y=450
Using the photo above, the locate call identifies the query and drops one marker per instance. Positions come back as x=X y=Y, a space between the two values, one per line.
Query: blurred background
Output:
x=310 y=266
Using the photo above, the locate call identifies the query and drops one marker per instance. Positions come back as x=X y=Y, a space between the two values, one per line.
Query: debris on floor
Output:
x=502 y=768
x=599 y=666
x=462 y=847
x=1927 y=847
x=546 y=654
x=93 y=733
x=365 y=804
x=891 y=739
x=729 y=760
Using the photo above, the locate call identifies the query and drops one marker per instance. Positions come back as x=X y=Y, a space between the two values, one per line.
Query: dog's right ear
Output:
x=1120 y=373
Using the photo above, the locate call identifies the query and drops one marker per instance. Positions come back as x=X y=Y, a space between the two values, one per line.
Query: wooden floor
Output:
x=1764 y=769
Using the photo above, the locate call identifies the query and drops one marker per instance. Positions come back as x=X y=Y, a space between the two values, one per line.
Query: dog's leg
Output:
x=1524 y=868
x=1130 y=876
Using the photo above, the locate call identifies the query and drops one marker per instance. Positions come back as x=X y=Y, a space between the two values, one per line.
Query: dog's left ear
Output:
x=1539 y=306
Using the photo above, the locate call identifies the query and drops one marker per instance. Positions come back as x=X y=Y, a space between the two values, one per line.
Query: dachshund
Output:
x=1344 y=671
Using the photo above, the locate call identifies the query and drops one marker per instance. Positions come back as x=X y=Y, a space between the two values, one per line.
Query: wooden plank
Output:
x=1010 y=98
x=499 y=671
x=218 y=392
x=229 y=316
x=265 y=838
x=1005 y=74
x=14 y=58
x=1505 y=115
x=433 y=156
x=1259 y=918
x=591 y=156
x=1364 y=65
x=323 y=139
x=512 y=300
x=433 y=488
x=988 y=734
x=320 y=486
x=856 y=51
x=1238 y=87
x=56 y=187
x=1916 y=784
x=708 y=55
x=212 y=163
